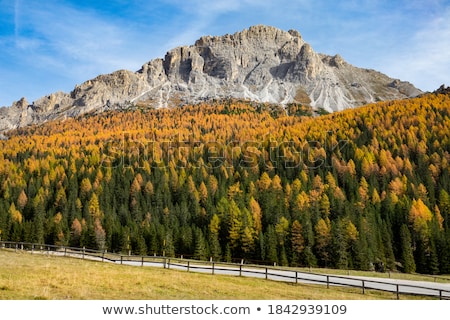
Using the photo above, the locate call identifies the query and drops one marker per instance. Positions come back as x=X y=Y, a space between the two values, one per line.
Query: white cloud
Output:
x=425 y=60
x=71 y=33
x=66 y=44
x=16 y=17
x=225 y=16
x=54 y=46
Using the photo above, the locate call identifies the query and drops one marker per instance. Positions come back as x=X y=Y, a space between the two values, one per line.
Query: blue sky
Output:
x=52 y=45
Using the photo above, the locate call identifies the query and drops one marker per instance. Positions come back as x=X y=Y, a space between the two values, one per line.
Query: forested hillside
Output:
x=365 y=188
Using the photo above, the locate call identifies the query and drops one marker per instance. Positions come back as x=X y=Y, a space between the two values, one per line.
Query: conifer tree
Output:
x=270 y=244
x=323 y=241
x=22 y=200
x=407 y=256
x=387 y=245
x=298 y=242
x=75 y=230
x=200 y=245
x=248 y=241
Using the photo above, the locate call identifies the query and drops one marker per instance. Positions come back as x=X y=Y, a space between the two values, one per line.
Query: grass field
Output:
x=25 y=276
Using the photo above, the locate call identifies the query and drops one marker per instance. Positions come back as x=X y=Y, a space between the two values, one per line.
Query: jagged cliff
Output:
x=260 y=63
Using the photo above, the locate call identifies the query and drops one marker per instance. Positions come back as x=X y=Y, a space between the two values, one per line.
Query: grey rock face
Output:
x=260 y=63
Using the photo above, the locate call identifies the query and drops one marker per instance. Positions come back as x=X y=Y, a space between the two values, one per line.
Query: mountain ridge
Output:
x=261 y=63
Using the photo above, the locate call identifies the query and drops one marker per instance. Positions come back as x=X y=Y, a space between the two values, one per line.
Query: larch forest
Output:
x=365 y=188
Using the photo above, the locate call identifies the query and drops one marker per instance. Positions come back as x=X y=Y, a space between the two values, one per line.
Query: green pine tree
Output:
x=407 y=256
x=200 y=245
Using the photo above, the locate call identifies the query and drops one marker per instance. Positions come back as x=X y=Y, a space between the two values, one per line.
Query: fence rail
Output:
x=269 y=273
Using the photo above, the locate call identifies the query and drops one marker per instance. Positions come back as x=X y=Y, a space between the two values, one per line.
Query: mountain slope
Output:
x=260 y=63
x=363 y=188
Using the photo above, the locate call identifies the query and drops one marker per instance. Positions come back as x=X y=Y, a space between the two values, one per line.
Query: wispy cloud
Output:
x=62 y=45
x=219 y=17
x=63 y=32
x=52 y=45
x=425 y=56
x=16 y=17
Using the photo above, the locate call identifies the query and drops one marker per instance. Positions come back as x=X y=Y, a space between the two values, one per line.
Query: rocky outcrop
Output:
x=260 y=63
x=443 y=90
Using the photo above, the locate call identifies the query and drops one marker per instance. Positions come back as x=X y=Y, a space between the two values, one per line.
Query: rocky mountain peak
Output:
x=21 y=104
x=443 y=90
x=261 y=63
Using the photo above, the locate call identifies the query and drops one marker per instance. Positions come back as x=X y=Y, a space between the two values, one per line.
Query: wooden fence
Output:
x=258 y=271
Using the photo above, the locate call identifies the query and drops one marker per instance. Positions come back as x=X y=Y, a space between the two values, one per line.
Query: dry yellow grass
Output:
x=34 y=276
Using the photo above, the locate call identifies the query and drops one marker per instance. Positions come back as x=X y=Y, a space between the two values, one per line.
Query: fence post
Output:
x=32 y=248
x=296 y=277
x=440 y=294
x=188 y=266
x=121 y=259
x=168 y=263
x=266 y=273
x=165 y=260
x=65 y=251
x=142 y=261
x=103 y=256
x=398 y=292
x=328 y=282
x=363 y=287
x=213 y=268
x=240 y=270
x=84 y=249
